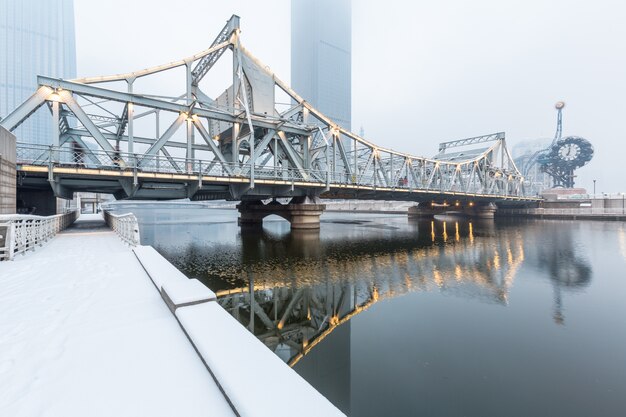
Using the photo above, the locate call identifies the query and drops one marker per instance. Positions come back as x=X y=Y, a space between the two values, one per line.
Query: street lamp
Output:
x=594 y=188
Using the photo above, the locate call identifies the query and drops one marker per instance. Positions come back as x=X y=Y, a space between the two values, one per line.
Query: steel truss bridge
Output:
x=256 y=139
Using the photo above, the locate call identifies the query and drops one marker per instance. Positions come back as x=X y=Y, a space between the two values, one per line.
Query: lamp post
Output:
x=594 y=188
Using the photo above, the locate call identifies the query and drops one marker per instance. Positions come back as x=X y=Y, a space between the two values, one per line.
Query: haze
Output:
x=422 y=72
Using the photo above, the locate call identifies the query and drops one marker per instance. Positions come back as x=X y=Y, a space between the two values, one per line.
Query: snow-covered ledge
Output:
x=176 y=289
x=239 y=363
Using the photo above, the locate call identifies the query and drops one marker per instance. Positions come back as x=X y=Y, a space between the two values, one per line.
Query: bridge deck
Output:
x=90 y=179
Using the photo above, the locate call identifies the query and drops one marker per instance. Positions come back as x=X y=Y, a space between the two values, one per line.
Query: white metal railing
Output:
x=21 y=233
x=125 y=225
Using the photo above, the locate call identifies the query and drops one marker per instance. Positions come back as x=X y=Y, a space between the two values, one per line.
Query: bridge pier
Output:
x=301 y=212
x=428 y=210
x=481 y=211
x=425 y=211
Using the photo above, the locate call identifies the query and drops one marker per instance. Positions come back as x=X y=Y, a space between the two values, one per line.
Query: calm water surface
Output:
x=390 y=317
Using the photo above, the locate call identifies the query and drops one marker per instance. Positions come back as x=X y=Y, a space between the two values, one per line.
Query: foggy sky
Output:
x=422 y=72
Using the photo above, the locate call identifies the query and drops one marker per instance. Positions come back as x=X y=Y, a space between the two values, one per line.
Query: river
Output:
x=391 y=317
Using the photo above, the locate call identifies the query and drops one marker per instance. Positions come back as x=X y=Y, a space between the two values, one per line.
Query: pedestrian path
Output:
x=84 y=332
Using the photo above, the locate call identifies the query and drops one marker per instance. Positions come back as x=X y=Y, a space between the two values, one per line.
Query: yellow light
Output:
x=55 y=97
x=457 y=204
x=471 y=203
x=432 y=231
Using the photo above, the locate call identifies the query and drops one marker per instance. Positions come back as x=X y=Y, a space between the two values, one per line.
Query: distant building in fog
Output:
x=522 y=154
x=36 y=38
x=321 y=54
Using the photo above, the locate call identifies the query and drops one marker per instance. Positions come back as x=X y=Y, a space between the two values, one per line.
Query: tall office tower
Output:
x=36 y=38
x=321 y=45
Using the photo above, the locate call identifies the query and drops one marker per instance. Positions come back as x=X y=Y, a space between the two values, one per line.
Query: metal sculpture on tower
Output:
x=563 y=155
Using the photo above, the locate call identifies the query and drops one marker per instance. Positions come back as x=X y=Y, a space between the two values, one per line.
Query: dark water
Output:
x=388 y=317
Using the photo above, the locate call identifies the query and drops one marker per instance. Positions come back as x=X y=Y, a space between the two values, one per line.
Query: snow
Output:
x=256 y=381
x=84 y=333
x=179 y=289
x=190 y=291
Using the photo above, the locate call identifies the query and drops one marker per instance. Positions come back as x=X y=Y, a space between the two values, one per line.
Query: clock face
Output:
x=569 y=151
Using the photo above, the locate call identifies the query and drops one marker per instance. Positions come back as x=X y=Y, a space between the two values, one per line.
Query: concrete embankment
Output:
x=563 y=214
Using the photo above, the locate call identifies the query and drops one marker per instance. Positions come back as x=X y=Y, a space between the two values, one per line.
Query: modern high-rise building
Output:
x=36 y=38
x=321 y=52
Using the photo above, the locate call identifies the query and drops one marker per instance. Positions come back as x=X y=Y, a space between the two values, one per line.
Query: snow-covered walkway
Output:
x=83 y=332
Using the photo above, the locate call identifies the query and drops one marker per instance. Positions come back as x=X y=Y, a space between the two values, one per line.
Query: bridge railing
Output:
x=66 y=156
x=21 y=233
x=125 y=225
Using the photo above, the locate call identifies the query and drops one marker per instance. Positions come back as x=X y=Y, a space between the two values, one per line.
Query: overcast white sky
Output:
x=422 y=71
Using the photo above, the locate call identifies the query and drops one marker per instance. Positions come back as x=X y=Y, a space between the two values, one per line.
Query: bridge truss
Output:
x=258 y=138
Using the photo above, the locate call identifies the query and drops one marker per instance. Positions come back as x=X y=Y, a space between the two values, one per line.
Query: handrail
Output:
x=21 y=233
x=125 y=225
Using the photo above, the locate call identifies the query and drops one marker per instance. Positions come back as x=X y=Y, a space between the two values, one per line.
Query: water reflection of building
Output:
x=567 y=268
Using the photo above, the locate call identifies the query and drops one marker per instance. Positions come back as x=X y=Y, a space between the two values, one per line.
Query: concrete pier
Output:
x=301 y=212
x=478 y=210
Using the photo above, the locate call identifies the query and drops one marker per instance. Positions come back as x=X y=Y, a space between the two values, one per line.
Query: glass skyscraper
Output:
x=321 y=45
x=36 y=38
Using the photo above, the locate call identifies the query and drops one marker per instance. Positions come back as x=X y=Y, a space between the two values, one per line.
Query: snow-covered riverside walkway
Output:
x=85 y=331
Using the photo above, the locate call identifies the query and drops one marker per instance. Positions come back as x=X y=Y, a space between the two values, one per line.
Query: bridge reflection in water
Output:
x=294 y=304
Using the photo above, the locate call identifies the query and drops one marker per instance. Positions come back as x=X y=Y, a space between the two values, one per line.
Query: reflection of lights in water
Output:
x=438 y=278
x=445 y=232
x=458 y=274
x=432 y=231
x=407 y=281
x=338 y=288
x=457 y=236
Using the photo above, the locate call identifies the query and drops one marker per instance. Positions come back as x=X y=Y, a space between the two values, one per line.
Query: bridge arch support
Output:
x=475 y=210
x=300 y=212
